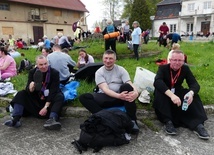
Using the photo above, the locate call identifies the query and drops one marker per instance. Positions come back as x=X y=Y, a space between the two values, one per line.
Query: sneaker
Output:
x=52 y=124
x=201 y=132
x=10 y=123
x=170 y=129
x=38 y=78
x=135 y=129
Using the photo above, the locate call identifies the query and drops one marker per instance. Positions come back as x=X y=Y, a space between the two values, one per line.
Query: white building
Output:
x=197 y=16
x=185 y=16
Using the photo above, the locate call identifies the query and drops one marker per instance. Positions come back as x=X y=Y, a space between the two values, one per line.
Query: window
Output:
x=59 y=30
x=189 y=27
x=76 y=15
x=7 y=30
x=35 y=13
x=58 y=13
x=4 y=6
x=191 y=7
x=207 y=5
x=172 y=28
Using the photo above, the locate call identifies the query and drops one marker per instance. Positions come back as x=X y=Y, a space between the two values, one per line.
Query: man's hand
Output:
x=43 y=111
x=190 y=97
x=176 y=100
x=123 y=95
x=128 y=96
x=32 y=86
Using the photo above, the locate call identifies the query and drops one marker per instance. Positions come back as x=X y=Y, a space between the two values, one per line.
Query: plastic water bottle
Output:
x=185 y=105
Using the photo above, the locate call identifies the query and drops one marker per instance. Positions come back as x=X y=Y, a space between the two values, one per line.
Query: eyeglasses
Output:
x=176 y=60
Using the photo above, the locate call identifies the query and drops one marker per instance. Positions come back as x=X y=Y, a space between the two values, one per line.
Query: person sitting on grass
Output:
x=169 y=97
x=115 y=89
x=7 y=64
x=45 y=52
x=84 y=59
x=175 y=46
x=59 y=61
x=42 y=97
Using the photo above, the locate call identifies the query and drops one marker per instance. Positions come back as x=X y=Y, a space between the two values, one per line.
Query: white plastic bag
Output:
x=144 y=79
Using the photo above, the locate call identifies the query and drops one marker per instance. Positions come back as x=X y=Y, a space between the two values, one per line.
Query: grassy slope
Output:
x=199 y=55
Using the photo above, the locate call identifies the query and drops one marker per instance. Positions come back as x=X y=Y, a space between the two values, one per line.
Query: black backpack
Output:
x=25 y=64
x=105 y=128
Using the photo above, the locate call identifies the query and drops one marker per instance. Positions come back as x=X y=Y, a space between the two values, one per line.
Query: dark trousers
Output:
x=95 y=102
x=32 y=104
x=65 y=45
x=135 y=48
x=110 y=43
x=126 y=36
x=166 y=110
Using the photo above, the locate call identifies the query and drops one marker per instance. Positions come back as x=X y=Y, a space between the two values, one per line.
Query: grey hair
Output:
x=136 y=22
x=40 y=57
x=109 y=22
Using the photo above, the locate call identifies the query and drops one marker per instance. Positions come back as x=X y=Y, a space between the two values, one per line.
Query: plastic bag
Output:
x=144 y=79
x=70 y=90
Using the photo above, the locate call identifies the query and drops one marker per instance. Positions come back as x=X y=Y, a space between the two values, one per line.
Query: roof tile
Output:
x=76 y=5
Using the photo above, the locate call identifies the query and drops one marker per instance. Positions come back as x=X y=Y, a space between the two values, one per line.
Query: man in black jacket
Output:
x=42 y=97
x=169 y=96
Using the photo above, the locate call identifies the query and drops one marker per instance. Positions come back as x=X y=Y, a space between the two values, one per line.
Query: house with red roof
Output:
x=35 y=18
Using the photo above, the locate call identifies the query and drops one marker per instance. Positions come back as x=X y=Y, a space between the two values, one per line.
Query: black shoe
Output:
x=38 y=78
x=52 y=124
x=11 y=123
x=135 y=129
x=201 y=132
x=170 y=129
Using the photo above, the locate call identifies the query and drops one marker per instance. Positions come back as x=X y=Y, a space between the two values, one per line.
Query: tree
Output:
x=140 y=12
x=128 y=5
x=127 y=9
x=113 y=8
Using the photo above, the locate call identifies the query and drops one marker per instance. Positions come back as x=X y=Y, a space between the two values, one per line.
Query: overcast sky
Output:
x=95 y=9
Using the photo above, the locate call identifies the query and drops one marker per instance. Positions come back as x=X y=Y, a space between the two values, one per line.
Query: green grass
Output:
x=200 y=57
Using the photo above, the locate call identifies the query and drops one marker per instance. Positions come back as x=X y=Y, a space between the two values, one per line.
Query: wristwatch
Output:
x=46 y=107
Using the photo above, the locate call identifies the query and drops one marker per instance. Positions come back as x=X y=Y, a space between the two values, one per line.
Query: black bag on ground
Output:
x=25 y=64
x=105 y=128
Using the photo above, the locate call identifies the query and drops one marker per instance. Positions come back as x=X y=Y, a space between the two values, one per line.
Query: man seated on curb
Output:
x=42 y=97
x=60 y=61
x=115 y=89
x=169 y=96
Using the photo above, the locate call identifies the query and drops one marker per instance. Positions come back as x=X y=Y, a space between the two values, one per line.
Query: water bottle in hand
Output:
x=185 y=104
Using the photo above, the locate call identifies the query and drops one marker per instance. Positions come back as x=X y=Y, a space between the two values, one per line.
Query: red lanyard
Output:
x=174 y=80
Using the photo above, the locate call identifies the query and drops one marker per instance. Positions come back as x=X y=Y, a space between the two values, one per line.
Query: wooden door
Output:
x=205 y=27
x=38 y=33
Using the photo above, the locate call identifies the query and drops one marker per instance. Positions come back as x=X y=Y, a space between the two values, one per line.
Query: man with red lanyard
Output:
x=169 y=98
x=163 y=30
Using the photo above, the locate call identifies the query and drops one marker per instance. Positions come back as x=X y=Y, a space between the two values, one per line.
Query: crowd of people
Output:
x=43 y=98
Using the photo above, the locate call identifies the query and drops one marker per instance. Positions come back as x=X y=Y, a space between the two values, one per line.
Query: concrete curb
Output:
x=82 y=112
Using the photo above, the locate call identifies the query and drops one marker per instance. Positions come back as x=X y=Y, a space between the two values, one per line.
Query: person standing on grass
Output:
x=136 y=38
x=111 y=42
x=42 y=97
x=115 y=89
x=169 y=96
x=126 y=29
x=163 y=30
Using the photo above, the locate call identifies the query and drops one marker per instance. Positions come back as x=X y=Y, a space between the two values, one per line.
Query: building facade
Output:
x=197 y=16
x=35 y=18
x=185 y=16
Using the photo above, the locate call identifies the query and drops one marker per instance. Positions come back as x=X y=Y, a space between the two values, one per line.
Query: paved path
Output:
x=32 y=139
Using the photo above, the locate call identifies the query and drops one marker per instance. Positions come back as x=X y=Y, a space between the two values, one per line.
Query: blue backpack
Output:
x=110 y=28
